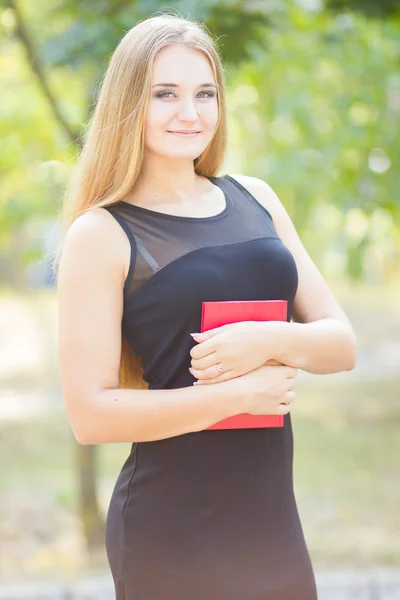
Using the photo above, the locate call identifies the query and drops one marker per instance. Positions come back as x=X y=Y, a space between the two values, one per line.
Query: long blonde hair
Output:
x=113 y=149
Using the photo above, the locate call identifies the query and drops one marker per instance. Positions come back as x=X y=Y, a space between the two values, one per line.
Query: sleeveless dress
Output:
x=209 y=515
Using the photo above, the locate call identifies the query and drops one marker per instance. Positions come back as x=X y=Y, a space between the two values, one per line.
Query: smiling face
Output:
x=189 y=103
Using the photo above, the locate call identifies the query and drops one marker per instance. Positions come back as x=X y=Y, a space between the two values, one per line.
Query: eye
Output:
x=162 y=94
x=209 y=94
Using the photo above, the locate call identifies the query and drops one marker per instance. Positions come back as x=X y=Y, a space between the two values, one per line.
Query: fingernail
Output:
x=193 y=334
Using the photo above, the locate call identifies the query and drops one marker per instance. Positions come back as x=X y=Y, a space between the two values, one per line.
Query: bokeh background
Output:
x=313 y=91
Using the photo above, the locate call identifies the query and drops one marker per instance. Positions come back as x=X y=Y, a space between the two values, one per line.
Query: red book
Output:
x=216 y=314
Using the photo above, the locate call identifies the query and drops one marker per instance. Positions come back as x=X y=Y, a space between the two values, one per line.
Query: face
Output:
x=185 y=105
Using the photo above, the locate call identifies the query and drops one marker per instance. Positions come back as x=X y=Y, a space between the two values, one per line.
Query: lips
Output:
x=185 y=132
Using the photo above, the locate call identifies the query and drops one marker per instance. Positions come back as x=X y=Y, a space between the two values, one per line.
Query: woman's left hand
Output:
x=238 y=347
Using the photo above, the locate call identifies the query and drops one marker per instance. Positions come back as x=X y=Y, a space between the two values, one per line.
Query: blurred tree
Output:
x=92 y=29
x=322 y=111
x=371 y=8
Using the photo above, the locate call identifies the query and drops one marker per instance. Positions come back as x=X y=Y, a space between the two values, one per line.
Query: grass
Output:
x=346 y=472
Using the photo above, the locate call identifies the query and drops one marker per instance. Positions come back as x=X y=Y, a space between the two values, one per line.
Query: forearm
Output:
x=130 y=415
x=320 y=347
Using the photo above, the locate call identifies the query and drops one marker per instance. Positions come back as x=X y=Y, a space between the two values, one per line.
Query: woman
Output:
x=152 y=233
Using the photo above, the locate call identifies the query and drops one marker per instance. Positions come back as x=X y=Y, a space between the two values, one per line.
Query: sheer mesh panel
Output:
x=158 y=239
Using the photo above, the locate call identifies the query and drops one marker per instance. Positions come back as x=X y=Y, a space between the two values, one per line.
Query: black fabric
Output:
x=212 y=514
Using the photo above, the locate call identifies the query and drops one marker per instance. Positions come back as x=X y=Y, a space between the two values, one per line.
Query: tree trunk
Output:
x=92 y=521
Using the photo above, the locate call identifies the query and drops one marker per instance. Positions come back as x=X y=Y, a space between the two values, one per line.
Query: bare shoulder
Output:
x=92 y=227
x=96 y=240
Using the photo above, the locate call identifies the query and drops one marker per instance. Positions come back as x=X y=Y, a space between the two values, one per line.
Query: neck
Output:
x=163 y=179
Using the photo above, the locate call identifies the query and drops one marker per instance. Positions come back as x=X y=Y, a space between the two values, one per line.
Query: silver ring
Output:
x=218 y=369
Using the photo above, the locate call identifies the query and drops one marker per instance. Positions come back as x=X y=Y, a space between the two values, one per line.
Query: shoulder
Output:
x=94 y=240
x=95 y=229
x=263 y=193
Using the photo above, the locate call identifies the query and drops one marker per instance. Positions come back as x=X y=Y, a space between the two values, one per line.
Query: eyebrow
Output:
x=174 y=85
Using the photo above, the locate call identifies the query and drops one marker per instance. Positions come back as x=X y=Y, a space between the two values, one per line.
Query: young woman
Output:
x=152 y=232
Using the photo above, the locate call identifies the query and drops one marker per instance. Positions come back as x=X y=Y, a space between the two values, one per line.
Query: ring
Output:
x=218 y=369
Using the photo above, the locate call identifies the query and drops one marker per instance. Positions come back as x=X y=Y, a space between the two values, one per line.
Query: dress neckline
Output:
x=215 y=180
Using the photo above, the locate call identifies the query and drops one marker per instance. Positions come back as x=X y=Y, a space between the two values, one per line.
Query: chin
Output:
x=189 y=154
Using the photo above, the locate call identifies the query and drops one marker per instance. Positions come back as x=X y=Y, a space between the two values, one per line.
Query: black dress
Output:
x=208 y=515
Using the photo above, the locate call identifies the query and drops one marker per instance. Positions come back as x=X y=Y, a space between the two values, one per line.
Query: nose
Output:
x=187 y=110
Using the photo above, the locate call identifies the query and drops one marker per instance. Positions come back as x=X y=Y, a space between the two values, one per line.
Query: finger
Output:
x=289 y=397
x=283 y=409
x=204 y=349
x=205 y=362
x=292 y=372
x=204 y=374
x=224 y=377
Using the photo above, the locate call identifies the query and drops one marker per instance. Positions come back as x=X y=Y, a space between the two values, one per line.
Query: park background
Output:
x=313 y=96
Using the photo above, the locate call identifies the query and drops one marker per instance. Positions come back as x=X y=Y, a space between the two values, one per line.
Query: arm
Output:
x=321 y=347
x=90 y=302
x=322 y=340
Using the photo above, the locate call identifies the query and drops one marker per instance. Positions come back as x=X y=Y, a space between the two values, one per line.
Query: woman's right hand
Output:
x=266 y=390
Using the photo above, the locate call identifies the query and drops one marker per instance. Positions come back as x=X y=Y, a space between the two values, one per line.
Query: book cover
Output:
x=216 y=314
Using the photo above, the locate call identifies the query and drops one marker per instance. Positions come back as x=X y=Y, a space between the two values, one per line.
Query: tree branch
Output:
x=25 y=38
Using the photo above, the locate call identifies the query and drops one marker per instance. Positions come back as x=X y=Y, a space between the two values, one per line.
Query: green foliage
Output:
x=381 y=8
x=313 y=100
x=94 y=29
x=321 y=109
